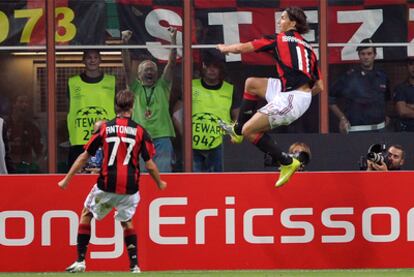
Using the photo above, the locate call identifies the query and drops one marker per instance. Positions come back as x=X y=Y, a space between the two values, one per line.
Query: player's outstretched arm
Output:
x=236 y=48
x=77 y=165
x=155 y=174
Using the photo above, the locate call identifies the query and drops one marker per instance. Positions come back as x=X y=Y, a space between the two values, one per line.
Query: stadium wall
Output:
x=330 y=152
x=218 y=221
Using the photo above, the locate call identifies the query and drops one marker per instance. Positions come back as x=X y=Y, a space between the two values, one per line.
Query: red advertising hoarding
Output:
x=218 y=221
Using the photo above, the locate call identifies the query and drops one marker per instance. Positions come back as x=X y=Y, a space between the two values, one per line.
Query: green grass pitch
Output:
x=234 y=273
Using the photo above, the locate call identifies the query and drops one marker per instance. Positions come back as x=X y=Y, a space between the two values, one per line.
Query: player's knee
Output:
x=256 y=86
x=250 y=85
x=127 y=224
x=86 y=217
x=247 y=133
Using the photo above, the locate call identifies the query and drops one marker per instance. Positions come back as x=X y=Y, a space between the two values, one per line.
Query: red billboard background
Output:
x=218 y=221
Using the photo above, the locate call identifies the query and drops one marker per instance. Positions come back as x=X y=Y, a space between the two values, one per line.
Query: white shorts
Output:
x=100 y=203
x=284 y=107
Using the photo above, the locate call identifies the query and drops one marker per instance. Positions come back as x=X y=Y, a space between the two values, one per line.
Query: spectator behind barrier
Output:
x=24 y=137
x=212 y=100
x=6 y=164
x=152 y=95
x=298 y=150
x=365 y=91
x=302 y=152
x=404 y=99
x=91 y=98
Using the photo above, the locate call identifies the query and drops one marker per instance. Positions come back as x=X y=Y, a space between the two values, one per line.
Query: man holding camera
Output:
x=393 y=160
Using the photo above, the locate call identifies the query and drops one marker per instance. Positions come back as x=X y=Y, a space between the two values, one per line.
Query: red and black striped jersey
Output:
x=122 y=141
x=296 y=62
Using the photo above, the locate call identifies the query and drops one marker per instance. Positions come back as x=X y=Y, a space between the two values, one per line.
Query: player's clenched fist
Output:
x=63 y=184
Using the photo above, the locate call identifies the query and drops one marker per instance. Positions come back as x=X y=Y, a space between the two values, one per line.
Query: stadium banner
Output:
x=227 y=21
x=218 y=221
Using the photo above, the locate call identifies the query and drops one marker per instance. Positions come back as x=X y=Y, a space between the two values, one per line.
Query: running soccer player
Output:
x=122 y=141
x=288 y=96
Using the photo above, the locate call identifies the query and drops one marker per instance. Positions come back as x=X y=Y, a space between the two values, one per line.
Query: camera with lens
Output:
x=301 y=156
x=377 y=153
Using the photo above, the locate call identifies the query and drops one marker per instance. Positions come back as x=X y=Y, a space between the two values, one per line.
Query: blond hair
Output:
x=305 y=147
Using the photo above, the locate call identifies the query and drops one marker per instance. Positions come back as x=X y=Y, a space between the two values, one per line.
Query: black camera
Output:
x=301 y=156
x=377 y=153
x=377 y=158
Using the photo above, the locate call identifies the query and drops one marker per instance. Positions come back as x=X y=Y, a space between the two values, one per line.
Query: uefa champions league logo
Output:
x=92 y=111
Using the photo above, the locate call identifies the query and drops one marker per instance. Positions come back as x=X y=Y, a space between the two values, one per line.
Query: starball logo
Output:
x=86 y=118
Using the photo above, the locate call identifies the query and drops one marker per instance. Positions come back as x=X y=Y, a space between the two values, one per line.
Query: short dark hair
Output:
x=399 y=147
x=366 y=40
x=215 y=63
x=298 y=15
x=124 y=101
x=87 y=51
x=410 y=60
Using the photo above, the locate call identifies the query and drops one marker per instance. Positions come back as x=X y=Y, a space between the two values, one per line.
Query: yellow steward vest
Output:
x=209 y=106
x=88 y=103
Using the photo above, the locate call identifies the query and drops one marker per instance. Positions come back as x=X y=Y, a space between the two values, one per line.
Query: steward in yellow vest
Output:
x=91 y=98
x=208 y=107
x=89 y=102
x=212 y=100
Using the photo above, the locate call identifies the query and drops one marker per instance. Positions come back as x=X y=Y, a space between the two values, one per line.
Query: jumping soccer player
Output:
x=288 y=96
x=122 y=141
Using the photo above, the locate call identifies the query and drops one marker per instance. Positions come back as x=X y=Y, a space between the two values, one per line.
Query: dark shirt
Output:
x=405 y=93
x=7 y=158
x=364 y=93
x=24 y=139
x=76 y=150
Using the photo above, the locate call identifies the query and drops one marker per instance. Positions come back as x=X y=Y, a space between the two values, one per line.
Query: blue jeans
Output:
x=208 y=160
x=164 y=155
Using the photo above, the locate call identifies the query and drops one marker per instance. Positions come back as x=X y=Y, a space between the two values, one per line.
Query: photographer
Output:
x=393 y=160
